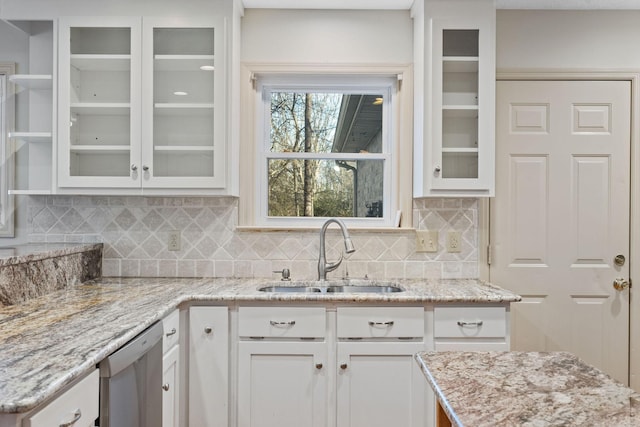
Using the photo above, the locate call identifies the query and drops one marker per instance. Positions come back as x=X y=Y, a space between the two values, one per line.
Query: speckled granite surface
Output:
x=49 y=341
x=527 y=389
x=29 y=271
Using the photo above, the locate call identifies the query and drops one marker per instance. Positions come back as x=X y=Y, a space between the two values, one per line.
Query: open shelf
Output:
x=186 y=148
x=32 y=81
x=460 y=64
x=100 y=148
x=32 y=136
x=460 y=150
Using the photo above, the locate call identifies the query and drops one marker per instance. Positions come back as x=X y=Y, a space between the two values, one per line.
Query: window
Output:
x=6 y=159
x=325 y=148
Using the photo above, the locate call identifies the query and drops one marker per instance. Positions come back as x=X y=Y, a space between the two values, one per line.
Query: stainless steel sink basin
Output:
x=290 y=289
x=333 y=287
x=356 y=289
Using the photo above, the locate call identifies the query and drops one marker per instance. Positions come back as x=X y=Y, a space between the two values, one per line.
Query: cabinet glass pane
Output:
x=460 y=103
x=100 y=95
x=183 y=99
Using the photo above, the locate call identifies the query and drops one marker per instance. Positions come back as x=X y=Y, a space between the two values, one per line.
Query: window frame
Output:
x=386 y=85
x=7 y=111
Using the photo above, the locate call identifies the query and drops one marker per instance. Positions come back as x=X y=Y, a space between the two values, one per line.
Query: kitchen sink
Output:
x=333 y=287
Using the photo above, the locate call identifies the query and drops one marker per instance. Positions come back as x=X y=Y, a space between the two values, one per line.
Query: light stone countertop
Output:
x=527 y=389
x=18 y=254
x=49 y=341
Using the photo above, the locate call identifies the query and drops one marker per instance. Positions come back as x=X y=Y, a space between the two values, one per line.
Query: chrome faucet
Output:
x=323 y=266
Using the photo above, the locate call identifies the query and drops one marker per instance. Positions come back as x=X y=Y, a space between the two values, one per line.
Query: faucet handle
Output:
x=286 y=274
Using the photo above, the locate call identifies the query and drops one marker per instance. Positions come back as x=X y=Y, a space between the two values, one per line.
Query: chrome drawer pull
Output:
x=463 y=324
x=76 y=416
x=387 y=324
x=165 y=387
x=288 y=323
x=171 y=332
x=208 y=330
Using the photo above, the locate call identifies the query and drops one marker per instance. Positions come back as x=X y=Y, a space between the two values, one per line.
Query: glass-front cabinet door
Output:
x=183 y=103
x=99 y=102
x=463 y=106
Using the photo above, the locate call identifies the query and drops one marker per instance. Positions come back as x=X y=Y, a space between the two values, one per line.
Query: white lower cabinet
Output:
x=77 y=406
x=171 y=388
x=208 y=391
x=282 y=384
x=380 y=384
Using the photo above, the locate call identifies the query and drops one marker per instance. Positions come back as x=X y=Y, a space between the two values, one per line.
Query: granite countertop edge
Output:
x=130 y=305
x=34 y=251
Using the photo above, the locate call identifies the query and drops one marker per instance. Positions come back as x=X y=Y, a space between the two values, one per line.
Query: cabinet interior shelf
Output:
x=101 y=108
x=100 y=148
x=460 y=150
x=470 y=111
x=460 y=64
x=32 y=136
x=186 y=109
x=32 y=81
x=182 y=62
x=185 y=148
x=101 y=62
x=30 y=192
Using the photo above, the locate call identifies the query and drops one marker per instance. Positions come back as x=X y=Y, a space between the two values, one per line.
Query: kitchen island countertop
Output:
x=526 y=389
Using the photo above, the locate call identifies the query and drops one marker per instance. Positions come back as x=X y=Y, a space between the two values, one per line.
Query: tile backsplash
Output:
x=135 y=233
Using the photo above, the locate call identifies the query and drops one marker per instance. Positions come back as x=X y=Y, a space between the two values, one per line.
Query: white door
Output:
x=561 y=216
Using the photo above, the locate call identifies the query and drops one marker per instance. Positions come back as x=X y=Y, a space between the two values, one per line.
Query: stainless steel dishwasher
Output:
x=131 y=381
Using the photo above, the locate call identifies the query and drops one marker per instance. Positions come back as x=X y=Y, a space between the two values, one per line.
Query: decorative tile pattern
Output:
x=135 y=230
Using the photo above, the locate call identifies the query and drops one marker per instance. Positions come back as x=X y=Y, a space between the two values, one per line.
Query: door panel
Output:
x=561 y=215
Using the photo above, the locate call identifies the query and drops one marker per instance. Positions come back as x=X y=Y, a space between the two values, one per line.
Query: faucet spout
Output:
x=323 y=266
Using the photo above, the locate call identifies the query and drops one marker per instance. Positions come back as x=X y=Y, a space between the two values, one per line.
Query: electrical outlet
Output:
x=173 y=242
x=454 y=241
x=426 y=241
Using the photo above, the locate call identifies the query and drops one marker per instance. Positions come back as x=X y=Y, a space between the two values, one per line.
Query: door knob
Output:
x=620 y=284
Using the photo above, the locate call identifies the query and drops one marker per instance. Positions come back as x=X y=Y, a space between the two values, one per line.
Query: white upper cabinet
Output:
x=456 y=148
x=142 y=103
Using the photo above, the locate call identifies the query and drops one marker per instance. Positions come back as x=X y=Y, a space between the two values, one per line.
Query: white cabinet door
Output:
x=183 y=105
x=282 y=384
x=457 y=158
x=380 y=384
x=208 y=399
x=171 y=387
x=99 y=76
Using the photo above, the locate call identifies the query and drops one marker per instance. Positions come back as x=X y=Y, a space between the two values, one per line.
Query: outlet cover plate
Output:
x=454 y=241
x=173 y=241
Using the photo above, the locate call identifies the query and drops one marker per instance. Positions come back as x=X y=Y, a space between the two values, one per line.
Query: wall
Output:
x=567 y=39
x=135 y=231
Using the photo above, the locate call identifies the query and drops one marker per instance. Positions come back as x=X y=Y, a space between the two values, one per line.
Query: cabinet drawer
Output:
x=470 y=322
x=171 y=330
x=380 y=322
x=80 y=402
x=282 y=322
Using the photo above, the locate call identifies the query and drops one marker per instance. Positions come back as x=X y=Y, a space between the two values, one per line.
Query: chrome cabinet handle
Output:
x=165 y=387
x=208 y=330
x=437 y=169
x=387 y=323
x=145 y=168
x=287 y=323
x=134 y=167
x=76 y=416
x=462 y=324
x=171 y=332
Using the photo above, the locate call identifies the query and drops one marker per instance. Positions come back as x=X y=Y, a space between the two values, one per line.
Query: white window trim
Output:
x=7 y=110
x=251 y=207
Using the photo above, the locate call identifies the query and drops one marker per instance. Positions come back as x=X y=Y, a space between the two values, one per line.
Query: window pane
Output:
x=326 y=122
x=334 y=188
